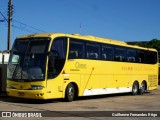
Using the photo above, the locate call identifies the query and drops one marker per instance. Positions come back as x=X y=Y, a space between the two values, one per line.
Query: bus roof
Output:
x=87 y=37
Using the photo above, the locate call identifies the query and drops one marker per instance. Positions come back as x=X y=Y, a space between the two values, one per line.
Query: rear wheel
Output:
x=142 y=88
x=135 y=88
x=70 y=93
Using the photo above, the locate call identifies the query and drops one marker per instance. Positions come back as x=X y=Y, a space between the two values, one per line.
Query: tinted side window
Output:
x=107 y=53
x=76 y=49
x=151 y=57
x=92 y=51
x=59 y=47
x=141 y=56
x=119 y=54
x=131 y=55
x=57 y=57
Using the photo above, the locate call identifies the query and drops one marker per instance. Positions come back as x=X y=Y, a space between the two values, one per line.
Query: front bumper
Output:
x=32 y=94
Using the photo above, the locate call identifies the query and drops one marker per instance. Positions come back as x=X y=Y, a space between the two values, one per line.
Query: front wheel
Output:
x=135 y=88
x=70 y=92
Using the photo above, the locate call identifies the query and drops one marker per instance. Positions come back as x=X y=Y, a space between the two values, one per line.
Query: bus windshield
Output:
x=28 y=59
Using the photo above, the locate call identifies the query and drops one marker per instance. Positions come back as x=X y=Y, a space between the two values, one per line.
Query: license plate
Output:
x=20 y=93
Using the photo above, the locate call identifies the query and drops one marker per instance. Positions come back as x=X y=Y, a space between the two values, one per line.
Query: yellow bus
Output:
x=53 y=65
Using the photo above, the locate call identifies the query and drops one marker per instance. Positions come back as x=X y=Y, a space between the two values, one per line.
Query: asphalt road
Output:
x=112 y=107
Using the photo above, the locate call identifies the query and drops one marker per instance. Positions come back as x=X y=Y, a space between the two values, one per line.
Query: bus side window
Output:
x=92 y=51
x=107 y=53
x=57 y=57
x=76 y=50
x=118 y=58
x=73 y=54
x=151 y=57
x=131 y=55
x=119 y=54
x=139 y=60
x=141 y=56
x=131 y=59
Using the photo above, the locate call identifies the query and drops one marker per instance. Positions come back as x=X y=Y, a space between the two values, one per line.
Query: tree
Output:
x=155 y=43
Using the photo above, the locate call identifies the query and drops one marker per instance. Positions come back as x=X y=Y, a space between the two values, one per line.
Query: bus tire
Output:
x=70 y=93
x=142 y=88
x=135 y=88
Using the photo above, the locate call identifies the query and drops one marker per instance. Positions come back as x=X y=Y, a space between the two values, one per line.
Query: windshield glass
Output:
x=28 y=59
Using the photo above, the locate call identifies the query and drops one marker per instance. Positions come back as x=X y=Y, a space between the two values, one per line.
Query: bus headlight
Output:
x=37 y=87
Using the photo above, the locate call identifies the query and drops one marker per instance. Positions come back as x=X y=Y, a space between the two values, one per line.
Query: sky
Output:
x=125 y=20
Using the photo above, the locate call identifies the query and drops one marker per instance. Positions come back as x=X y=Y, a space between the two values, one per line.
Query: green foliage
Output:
x=154 y=43
x=143 y=44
